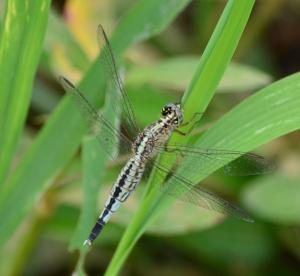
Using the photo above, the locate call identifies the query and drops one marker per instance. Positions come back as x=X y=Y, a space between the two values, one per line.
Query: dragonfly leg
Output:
x=167 y=149
x=170 y=150
x=194 y=122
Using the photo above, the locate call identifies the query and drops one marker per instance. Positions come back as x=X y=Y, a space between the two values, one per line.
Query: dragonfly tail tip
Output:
x=87 y=242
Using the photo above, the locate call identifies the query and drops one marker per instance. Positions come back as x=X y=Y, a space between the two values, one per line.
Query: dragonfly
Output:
x=146 y=144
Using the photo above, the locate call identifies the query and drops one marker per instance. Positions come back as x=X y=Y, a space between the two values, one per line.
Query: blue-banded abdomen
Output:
x=127 y=181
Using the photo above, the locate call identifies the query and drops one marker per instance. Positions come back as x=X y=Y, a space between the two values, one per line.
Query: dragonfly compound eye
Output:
x=166 y=110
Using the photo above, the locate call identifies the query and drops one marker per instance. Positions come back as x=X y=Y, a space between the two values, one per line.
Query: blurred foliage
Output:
x=271 y=196
x=57 y=193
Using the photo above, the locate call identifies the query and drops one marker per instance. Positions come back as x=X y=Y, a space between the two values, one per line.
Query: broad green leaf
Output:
x=209 y=72
x=175 y=73
x=21 y=38
x=61 y=136
x=232 y=242
x=191 y=219
x=243 y=78
x=270 y=197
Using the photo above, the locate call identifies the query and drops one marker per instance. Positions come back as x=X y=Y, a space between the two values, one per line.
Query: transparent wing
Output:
x=129 y=121
x=229 y=162
x=182 y=188
x=107 y=135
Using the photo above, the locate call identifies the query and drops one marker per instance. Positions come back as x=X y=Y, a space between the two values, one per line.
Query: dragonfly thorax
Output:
x=156 y=135
x=172 y=114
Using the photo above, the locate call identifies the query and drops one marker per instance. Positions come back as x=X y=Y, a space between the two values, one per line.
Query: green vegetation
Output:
x=41 y=172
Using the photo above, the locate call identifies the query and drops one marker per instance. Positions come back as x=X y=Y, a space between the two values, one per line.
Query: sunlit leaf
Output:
x=270 y=198
x=21 y=38
x=176 y=73
x=230 y=242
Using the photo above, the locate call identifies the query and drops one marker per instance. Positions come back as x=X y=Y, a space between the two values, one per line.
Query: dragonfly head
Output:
x=173 y=112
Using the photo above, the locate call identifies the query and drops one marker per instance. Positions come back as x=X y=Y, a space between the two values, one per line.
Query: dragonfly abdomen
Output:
x=128 y=179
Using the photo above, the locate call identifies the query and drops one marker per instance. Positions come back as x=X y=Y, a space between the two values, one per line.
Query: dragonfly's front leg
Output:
x=194 y=122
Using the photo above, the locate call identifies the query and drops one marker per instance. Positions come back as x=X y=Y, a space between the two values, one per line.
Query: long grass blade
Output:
x=21 y=41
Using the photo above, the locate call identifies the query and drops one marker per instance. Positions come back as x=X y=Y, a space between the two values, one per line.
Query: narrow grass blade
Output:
x=21 y=39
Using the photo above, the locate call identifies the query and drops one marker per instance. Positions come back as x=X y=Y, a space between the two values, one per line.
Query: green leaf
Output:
x=155 y=99
x=44 y=98
x=212 y=65
x=61 y=136
x=167 y=223
x=243 y=78
x=230 y=242
x=270 y=197
x=268 y=114
x=175 y=73
x=21 y=38
x=62 y=223
x=216 y=56
x=94 y=161
x=244 y=129
x=59 y=39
